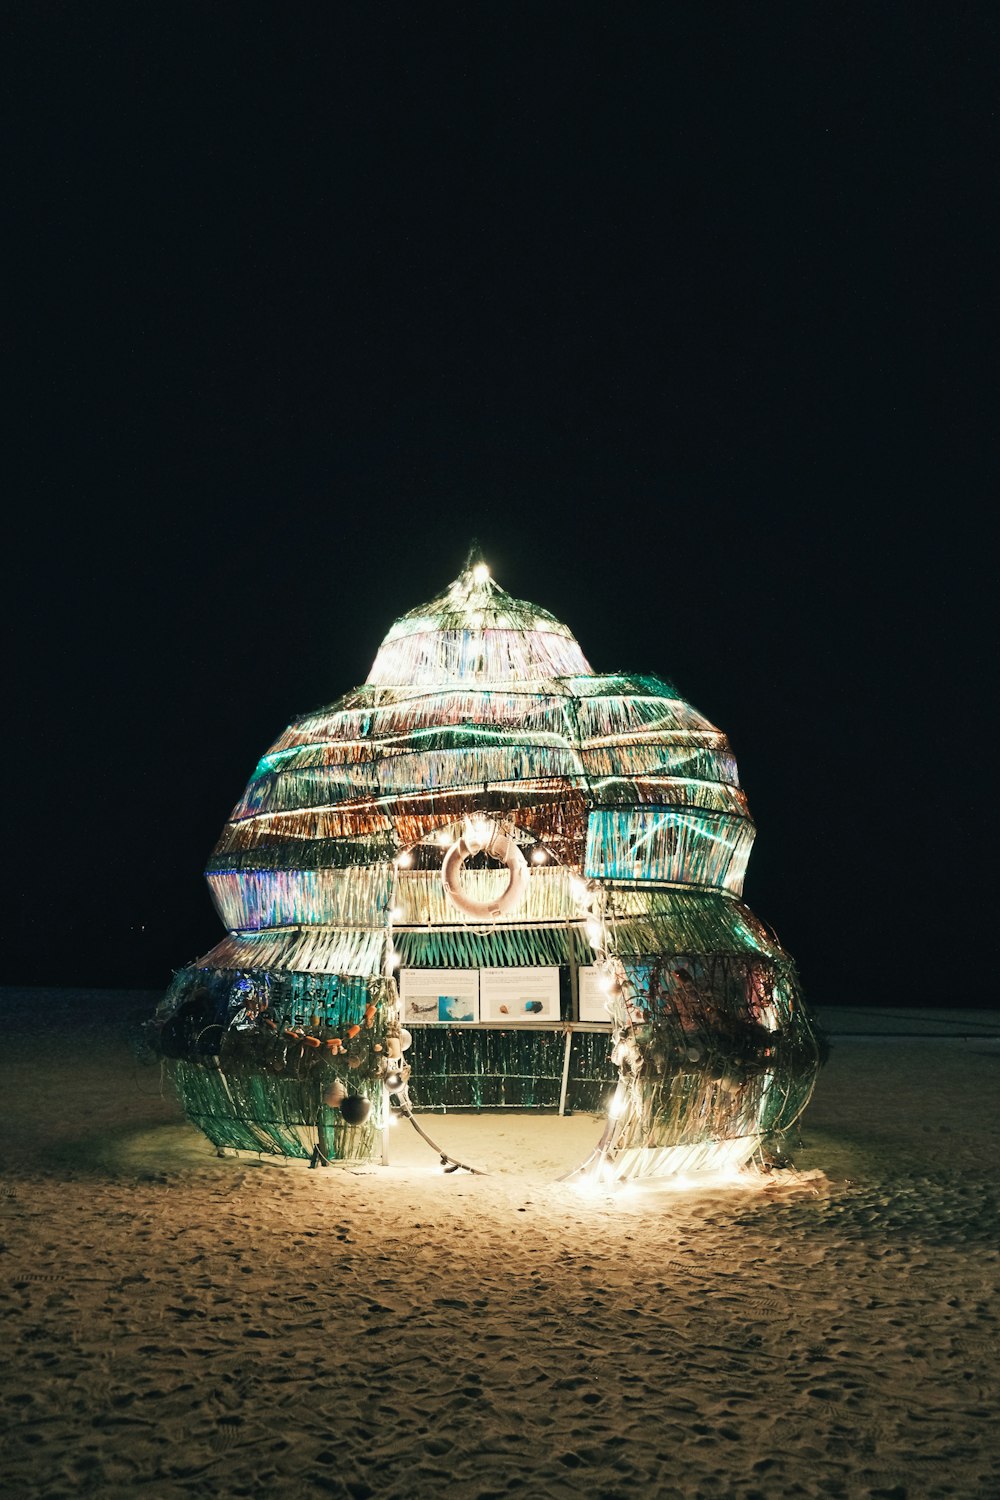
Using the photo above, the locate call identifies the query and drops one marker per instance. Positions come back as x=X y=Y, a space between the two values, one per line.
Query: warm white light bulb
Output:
x=405 y=860
x=478 y=832
x=480 y=573
x=538 y=857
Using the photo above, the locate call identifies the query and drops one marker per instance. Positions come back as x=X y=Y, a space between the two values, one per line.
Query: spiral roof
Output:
x=480 y=702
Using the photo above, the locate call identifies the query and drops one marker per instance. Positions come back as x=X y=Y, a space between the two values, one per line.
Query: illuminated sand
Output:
x=178 y=1324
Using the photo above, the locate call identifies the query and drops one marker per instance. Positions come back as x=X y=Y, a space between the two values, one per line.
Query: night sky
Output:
x=682 y=311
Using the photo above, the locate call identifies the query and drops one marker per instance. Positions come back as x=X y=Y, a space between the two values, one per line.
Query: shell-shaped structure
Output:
x=623 y=806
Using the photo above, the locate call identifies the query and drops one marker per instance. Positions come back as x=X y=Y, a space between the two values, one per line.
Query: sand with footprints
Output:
x=177 y=1324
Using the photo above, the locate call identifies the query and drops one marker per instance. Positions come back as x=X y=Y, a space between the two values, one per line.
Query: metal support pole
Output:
x=574 y=977
x=565 y=1073
x=388 y=974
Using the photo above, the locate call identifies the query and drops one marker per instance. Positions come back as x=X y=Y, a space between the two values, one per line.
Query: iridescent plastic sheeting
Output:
x=626 y=804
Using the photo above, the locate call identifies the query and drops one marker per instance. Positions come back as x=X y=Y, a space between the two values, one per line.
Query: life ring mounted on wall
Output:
x=498 y=842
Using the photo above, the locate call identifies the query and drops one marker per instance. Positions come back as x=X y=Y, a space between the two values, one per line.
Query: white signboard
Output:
x=517 y=995
x=593 y=998
x=439 y=997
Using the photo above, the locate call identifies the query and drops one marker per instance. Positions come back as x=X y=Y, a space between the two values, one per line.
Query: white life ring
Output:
x=501 y=846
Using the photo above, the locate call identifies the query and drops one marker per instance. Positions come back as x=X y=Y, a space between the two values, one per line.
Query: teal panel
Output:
x=496 y=948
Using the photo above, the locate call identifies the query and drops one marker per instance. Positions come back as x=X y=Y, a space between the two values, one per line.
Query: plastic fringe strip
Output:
x=277 y=1116
x=471 y=948
x=473 y=630
x=248 y=900
x=487 y=655
x=647 y=923
x=311 y=949
x=668 y=845
x=468 y=1069
x=712 y=1048
x=420 y=898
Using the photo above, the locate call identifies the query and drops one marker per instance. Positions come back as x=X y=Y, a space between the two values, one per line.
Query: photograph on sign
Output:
x=519 y=994
x=439 y=997
x=593 y=995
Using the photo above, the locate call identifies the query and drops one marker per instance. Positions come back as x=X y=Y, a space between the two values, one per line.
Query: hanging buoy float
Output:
x=355 y=1108
x=499 y=844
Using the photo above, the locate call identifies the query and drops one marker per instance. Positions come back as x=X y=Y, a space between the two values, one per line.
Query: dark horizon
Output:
x=680 y=314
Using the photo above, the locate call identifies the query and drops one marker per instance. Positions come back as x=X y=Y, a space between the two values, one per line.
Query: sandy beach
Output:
x=180 y=1324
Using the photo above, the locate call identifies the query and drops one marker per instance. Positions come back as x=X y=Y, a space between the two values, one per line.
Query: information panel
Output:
x=593 y=999
x=517 y=995
x=439 y=997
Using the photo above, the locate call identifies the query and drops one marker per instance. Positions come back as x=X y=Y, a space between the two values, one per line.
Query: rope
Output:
x=450 y=1163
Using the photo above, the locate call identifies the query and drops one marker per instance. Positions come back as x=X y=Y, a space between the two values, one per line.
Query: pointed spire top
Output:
x=475 y=564
x=476 y=632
